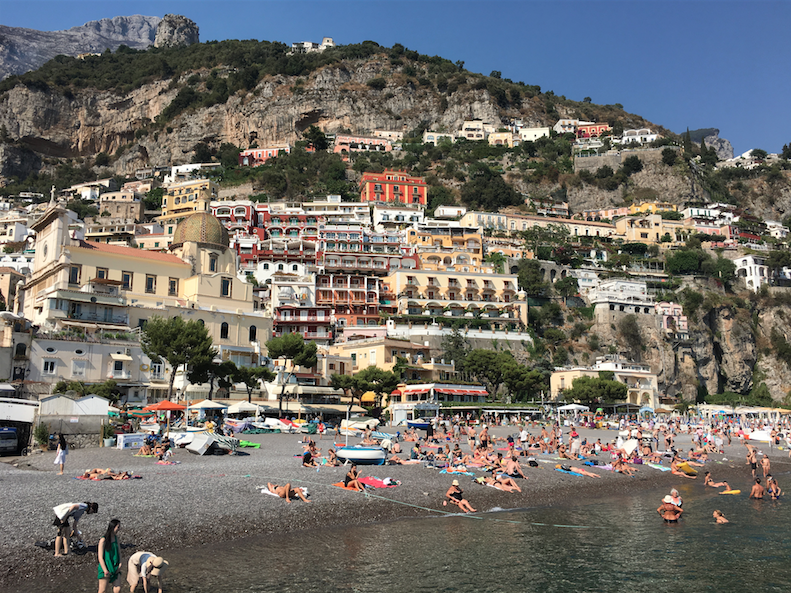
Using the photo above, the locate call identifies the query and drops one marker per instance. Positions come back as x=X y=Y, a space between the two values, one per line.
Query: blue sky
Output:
x=686 y=63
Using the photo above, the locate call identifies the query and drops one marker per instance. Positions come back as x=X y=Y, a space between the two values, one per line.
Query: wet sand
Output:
x=215 y=498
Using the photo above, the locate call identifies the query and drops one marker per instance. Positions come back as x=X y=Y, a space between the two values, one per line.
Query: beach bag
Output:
x=532 y=463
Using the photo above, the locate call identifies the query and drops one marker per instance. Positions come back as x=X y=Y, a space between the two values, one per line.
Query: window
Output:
x=224 y=331
x=294 y=268
x=157 y=370
x=170 y=230
x=118 y=366
x=173 y=286
x=213 y=263
x=151 y=284
x=74 y=274
x=78 y=368
x=49 y=367
x=266 y=266
x=253 y=333
x=101 y=273
x=126 y=280
x=280 y=267
x=225 y=287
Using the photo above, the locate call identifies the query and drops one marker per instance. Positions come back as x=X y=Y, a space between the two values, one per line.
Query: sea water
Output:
x=620 y=544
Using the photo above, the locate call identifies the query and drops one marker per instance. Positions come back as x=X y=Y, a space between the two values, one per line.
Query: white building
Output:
x=533 y=134
x=389 y=217
x=449 y=211
x=752 y=269
x=587 y=280
x=620 y=296
x=309 y=47
x=430 y=137
x=776 y=229
x=564 y=126
x=639 y=136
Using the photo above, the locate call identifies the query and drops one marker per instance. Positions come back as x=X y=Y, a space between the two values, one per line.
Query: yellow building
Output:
x=83 y=292
x=459 y=295
x=515 y=223
x=381 y=352
x=650 y=228
x=124 y=204
x=501 y=139
x=439 y=246
x=652 y=208
x=185 y=198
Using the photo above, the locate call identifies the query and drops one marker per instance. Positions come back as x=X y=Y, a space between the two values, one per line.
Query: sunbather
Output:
x=508 y=483
x=352 y=479
x=145 y=451
x=287 y=492
x=583 y=472
x=105 y=474
x=456 y=496
x=708 y=481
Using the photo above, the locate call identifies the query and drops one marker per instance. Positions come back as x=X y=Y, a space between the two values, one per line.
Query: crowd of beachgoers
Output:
x=179 y=500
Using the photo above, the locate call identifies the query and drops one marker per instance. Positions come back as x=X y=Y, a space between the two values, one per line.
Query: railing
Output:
x=103 y=337
x=301 y=319
x=99 y=318
x=119 y=374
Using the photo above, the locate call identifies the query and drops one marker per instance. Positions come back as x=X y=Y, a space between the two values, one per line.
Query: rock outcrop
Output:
x=721 y=145
x=22 y=50
x=175 y=30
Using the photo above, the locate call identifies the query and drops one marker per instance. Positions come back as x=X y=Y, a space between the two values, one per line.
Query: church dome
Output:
x=201 y=228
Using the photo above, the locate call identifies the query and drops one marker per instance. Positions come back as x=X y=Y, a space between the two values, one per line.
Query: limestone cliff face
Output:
x=721 y=145
x=22 y=50
x=336 y=98
x=175 y=30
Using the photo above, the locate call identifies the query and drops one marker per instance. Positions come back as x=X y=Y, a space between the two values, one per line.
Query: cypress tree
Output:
x=687 y=143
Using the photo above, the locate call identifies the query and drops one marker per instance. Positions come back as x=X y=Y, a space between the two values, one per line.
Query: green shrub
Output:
x=41 y=434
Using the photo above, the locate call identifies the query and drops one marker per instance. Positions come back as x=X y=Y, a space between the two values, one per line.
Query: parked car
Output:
x=360 y=423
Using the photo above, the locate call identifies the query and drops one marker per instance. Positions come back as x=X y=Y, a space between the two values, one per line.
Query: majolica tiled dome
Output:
x=201 y=228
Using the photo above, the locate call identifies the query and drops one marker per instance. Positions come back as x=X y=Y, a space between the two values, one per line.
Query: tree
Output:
x=83 y=208
x=378 y=380
x=786 y=154
x=202 y=153
x=179 y=342
x=153 y=199
x=566 y=287
x=587 y=100
x=522 y=383
x=294 y=348
x=455 y=347
x=778 y=260
x=632 y=165
x=487 y=367
x=207 y=370
x=315 y=138
x=591 y=389
x=669 y=156
x=487 y=190
x=229 y=154
x=251 y=377
x=759 y=154
x=530 y=279
x=499 y=261
x=629 y=330
x=496 y=74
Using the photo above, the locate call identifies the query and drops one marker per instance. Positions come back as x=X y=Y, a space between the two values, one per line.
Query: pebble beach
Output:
x=205 y=500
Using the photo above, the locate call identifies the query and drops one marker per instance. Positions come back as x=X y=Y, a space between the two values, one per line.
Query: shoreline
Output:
x=213 y=499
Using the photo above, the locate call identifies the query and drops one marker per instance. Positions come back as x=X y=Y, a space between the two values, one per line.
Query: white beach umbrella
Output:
x=207 y=404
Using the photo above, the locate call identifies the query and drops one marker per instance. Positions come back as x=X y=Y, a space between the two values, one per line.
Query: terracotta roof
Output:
x=132 y=252
x=7 y=270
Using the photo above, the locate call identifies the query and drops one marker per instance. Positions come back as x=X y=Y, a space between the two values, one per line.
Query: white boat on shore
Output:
x=362 y=455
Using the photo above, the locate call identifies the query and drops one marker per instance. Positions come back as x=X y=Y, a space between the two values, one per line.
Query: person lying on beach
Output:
x=719 y=517
x=287 y=492
x=757 y=491
x=105 y=474
x=352 y=479
x=773 y=488
x=500 y=485
x=676 y=471
x=709 y=481
x=582 y=472
x=669 y=512
x=620 y=466
x=456 y=496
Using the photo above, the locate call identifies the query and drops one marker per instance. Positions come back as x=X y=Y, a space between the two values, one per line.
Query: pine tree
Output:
x=687 y=143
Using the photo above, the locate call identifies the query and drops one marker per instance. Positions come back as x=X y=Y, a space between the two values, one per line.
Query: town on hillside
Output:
x=386 y=304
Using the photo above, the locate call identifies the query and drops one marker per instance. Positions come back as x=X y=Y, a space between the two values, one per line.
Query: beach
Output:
x=212 y=499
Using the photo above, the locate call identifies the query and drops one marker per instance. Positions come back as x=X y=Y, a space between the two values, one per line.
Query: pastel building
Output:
x=253 y=157
x=533 y=134
x=672 y=320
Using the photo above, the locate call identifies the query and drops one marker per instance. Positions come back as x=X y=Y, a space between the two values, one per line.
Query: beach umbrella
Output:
x=207 y=404
x=243 y=406
x=165 y=406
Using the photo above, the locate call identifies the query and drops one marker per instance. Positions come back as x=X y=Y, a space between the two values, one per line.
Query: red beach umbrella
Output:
x=165 y=406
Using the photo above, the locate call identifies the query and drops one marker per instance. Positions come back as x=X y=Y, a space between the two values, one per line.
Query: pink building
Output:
x=254 y=157
x=361 y=144
x=592 y=130
x=673 y=319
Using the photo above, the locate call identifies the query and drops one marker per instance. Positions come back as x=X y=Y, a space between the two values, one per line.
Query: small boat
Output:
x=362 y=455
x=420 y=424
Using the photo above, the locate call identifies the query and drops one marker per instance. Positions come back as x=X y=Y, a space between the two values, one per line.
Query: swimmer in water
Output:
x=670 y=512
x=772 y=487
x=719 y=517
x=708 y=481
x=757 y=491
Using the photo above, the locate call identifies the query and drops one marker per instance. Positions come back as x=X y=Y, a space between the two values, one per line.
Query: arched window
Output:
x=280 y=267
x=295 y=267
x=253 y=333
x=203 y=323
x=224 y=331
x=20 y=351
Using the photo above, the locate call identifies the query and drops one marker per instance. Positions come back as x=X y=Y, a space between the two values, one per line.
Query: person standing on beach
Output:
x=752 y=459
x=110 y=558
x=63 y=450
x=765 y=465
x=63 y=513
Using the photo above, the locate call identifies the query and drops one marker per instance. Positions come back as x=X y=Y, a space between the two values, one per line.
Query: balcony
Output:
x=95 y=317
x=124 y=374
x=306 y=335
x=309 y=318
x=80 y=335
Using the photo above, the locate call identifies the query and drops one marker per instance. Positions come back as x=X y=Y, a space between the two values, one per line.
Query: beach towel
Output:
x=109 y=479
x=376 y=483
x=456 y=471
x=138 y=455
x=659 y=467
x=565 y=471
x=161 y=462
x=249 y=444
x=340 y=485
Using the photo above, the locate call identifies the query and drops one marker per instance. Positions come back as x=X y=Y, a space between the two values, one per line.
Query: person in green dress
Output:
x=110 y=558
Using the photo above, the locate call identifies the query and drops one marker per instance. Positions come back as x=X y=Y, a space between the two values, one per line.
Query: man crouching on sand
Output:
x=287 y=492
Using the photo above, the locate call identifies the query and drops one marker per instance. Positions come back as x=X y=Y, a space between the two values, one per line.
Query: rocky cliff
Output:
x=721 y=145
x=22 y=50
x=175 y=30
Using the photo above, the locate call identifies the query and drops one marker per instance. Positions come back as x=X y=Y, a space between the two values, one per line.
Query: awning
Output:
x=470 y=391
x=368 y=397
x=416 y=391
x=88 y=324
x=115 y=356
x=119 y=327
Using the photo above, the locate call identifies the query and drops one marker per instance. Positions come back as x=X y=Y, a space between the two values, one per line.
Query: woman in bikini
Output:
x=708 y=481
x=456 y=496
x=352 y=479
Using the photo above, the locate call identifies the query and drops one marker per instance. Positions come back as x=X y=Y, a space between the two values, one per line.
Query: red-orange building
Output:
x=592 y=130
x=393 y=186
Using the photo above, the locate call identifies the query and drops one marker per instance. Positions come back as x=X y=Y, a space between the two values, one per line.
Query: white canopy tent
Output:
x=207 y=404
x=573 y=408
x=242 y=407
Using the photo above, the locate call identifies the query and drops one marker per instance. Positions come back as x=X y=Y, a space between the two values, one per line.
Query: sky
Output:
x=679 y=64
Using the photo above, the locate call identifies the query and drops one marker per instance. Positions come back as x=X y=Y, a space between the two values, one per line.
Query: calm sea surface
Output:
x=619 y=545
